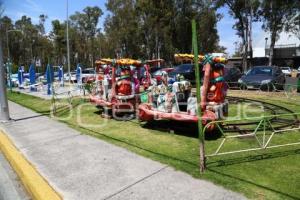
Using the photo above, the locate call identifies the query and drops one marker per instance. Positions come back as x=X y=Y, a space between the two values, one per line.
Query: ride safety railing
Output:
x=262 y=136
x=287 y=90
x=66 y=97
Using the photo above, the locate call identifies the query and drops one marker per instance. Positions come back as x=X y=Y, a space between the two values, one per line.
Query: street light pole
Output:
x=68 y=45
x=8 y=57
x=4 y=111
x=7 y=44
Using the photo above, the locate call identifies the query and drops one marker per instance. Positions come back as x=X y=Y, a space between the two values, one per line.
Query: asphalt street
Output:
x=10 y=186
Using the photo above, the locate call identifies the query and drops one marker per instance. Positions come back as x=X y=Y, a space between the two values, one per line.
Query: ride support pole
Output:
x=197 y=75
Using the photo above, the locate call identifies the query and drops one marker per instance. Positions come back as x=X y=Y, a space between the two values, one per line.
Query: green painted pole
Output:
x=197 y=75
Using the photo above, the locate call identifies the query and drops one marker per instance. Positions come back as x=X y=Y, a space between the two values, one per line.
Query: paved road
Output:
x=82 y=167
x=10 y=186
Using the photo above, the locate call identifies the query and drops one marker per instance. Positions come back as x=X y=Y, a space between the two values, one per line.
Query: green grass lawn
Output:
x=264 y=174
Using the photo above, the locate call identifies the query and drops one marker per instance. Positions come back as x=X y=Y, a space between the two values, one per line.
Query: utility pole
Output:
x=4 y=111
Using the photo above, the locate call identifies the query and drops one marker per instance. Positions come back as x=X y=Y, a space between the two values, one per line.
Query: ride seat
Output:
x=126 y=97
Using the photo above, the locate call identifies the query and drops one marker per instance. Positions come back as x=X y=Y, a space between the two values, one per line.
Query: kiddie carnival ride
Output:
x=102 y=80
x=165 y=101
x=119 y=83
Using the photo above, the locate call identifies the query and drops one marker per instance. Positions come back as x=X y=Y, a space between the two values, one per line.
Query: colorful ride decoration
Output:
x=155 y=62
x=103 y=78
x=190 y=58
x=119 y=84
x=167 y=103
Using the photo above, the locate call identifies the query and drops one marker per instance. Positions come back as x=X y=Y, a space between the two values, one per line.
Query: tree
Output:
x=208 y=34
x=58 y=36
x=294 y=25
x=156 y=28
x=41 y=25
x=5 y=25
x=86 y=23
x=29 y=38
x=122 y=28
x=238 y=49
x=206 y=18
x=91 y=21
x=276 y=15
x=244 y=12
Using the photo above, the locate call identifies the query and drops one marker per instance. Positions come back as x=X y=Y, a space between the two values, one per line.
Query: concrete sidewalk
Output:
x=82 y=167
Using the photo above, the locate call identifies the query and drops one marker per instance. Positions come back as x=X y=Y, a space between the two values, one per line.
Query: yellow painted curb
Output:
x=34 y=183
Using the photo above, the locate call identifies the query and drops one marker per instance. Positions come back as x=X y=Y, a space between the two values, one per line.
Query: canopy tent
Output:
x=79 y=74
x=21 y=76
x=50 y=78
x=32 y=77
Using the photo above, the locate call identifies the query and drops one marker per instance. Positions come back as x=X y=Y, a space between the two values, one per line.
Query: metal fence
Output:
x=262 y=134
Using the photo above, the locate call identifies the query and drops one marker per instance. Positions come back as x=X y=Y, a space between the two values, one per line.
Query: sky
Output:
x=56 y=9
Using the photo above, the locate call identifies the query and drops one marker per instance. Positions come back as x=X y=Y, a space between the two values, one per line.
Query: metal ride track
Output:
x=244 y=127
x=274 y=109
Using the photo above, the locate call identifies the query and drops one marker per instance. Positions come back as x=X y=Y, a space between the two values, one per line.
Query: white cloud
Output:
x=33 y=6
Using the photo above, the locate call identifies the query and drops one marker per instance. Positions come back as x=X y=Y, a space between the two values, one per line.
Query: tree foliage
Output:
x=142 y=29
x=277 y=16
x=244 y=13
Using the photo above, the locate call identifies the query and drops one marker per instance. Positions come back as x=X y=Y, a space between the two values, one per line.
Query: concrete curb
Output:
x=35 y=184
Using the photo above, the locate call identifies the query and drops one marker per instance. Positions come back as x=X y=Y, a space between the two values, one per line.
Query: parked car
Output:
x=185 y=70
x=158 y=73
x=88 y=74
x=232 y=75
x=286 y=70
x=263 y=77
x=73 y=76
x=14 y=80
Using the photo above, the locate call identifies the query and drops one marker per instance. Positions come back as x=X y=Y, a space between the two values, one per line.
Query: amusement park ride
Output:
x=124 y=86
x=118 y=85
x=177 y=101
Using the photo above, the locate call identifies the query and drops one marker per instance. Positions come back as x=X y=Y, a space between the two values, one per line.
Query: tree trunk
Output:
x=245 y=44
x=272 y=45
x=245 y=56
x=250 y=37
